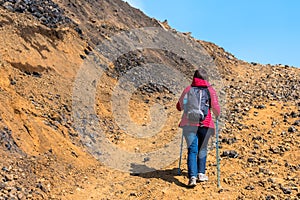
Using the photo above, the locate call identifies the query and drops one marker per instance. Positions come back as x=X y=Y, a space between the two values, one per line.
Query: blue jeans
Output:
x=197 y=141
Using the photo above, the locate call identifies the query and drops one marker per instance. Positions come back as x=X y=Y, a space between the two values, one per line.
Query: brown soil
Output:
x=42 y=156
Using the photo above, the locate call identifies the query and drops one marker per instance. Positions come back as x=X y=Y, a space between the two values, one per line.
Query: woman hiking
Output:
x=197 y=134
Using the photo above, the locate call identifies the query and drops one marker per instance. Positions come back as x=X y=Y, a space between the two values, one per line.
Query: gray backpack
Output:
x=198 y=104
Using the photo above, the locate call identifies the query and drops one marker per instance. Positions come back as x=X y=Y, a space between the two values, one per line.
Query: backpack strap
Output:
x=209 y=99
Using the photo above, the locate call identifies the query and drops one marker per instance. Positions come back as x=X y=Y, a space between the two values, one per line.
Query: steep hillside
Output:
x=65 y=87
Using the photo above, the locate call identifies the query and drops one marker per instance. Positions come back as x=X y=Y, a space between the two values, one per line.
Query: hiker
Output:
x=197 y=134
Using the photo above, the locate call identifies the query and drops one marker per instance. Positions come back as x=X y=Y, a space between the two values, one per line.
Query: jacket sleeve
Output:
x=214 y=102
x=179 y=104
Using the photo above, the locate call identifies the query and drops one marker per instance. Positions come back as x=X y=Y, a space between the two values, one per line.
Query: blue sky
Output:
x=263 y=31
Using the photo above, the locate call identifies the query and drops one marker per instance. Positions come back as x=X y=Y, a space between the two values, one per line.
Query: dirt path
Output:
x=45 y=154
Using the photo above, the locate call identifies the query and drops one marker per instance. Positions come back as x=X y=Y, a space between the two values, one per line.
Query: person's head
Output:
x=201 y=73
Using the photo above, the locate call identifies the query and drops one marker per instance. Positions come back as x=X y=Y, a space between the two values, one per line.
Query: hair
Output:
x=201 y=73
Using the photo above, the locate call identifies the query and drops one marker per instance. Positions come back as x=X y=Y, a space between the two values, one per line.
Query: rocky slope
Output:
x=43 y=46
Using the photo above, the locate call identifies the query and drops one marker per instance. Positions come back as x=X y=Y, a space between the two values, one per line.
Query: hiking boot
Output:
x=202 y=177
x=192 y=181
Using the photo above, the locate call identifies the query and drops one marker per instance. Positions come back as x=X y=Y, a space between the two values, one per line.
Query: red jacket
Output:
x=215 y=107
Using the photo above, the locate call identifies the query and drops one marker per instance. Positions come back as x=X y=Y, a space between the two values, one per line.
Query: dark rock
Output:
x=8 y=5
x=8 y=177
x=270 y=180
x=275 y=150
x=286 y=190
x=228 y=140
x=292 y=129
x=78 y=30
x=49 y=14
x=8 y=146
x=7 y=141
x=249 y=187
x=296 y=123
x=294 y=114
x=262 y=160
x=37 y=74
x=271 y=197
x=220 y=190
x=230 y=154
x=259 y=138
x=263 y=170
x=251 y=160
x=5 y=169
x=42 y=187
x=87 y=52
x=133 y=194
x=13 y=82
x=260 y=107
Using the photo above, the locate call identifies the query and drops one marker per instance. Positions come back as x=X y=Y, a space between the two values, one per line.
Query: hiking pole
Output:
x=217 y=152
x=181 y=145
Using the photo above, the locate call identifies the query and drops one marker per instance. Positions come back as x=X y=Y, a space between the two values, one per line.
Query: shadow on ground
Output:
x=168 y=175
